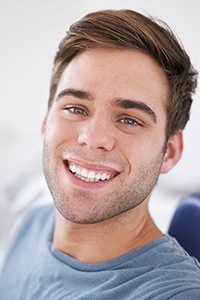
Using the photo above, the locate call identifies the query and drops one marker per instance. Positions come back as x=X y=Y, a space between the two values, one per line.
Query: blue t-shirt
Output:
x=34 y=270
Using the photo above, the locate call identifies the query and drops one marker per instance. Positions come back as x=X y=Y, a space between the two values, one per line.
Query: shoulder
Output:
x=164 y=268
x=171 y=257
x=191 y=294
x=36 y=215
x=35 y=226
x=175 y=268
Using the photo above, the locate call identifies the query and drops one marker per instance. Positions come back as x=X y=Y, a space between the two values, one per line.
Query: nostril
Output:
x=96 y=140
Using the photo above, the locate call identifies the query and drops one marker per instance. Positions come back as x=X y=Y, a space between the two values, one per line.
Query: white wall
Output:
x=29 y=35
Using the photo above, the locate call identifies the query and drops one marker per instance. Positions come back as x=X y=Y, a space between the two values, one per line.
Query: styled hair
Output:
x=126 y=29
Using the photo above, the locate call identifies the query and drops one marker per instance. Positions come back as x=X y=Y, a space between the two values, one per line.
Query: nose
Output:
x=96 y=133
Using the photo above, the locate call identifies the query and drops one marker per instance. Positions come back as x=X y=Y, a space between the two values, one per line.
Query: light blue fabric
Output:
x=34 y=270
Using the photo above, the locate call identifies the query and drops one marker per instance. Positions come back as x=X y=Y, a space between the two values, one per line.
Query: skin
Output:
x=92 y=125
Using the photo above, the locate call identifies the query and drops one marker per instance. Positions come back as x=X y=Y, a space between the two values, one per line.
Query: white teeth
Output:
x=98 y=176
x=73 y=168
x=78 y=171
x=103 y=177
x=91 y=175
x=86 y=175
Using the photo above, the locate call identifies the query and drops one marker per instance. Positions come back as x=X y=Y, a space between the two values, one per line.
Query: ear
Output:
x=173 y=152
x=43 y=127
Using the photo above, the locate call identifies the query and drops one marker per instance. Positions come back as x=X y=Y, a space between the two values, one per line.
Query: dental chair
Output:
x=185 y=224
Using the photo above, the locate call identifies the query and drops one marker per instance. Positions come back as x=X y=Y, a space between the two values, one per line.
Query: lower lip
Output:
x=87 y=184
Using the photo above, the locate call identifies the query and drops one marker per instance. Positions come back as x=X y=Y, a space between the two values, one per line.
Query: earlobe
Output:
x=173 y=152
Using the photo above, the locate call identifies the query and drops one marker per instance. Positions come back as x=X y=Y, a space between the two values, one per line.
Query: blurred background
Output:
x=30 y=32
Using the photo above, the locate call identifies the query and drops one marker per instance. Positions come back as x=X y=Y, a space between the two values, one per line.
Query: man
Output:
x=120 y=97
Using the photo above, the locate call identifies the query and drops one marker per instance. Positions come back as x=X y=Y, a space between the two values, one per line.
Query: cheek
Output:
x=136 y=146
x=58 y=131
x=142 y=151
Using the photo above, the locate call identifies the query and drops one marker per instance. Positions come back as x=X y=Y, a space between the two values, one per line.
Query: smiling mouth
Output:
x=89 y=175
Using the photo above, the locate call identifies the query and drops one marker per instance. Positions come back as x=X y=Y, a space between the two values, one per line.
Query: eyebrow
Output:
x=84 y=95
x=132 y=104
x=121 y=103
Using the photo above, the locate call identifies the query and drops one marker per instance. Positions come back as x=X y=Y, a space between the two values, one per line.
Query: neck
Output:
x=95 y=243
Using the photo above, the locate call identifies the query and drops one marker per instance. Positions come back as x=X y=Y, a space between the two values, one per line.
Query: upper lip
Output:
x=92 y=166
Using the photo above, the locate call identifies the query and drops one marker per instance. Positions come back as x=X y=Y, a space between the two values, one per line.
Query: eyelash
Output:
x=127 y=121
x=130 y=122
x=76 y=110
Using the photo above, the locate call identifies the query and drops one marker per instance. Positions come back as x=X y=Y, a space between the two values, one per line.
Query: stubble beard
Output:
x=123 y=198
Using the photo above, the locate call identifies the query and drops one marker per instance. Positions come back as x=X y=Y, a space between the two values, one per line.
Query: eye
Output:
x=130 y=122
x=76 y=110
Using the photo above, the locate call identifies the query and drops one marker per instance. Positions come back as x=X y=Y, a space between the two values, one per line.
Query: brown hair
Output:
x=126 y=29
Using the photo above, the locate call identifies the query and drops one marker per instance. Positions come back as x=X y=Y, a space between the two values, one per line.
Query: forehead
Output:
x=110 y=73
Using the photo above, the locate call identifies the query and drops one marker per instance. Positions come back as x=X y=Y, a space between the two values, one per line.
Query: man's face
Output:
x=105 y=134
